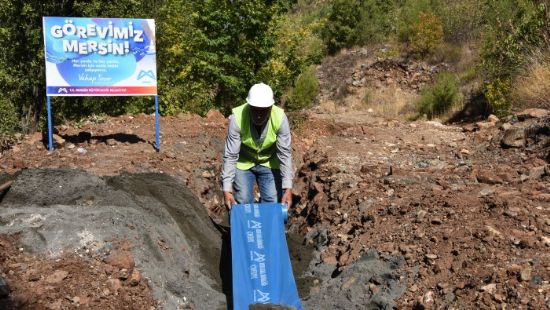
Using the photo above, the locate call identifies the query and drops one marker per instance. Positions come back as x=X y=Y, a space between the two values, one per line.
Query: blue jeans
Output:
x=268 y=180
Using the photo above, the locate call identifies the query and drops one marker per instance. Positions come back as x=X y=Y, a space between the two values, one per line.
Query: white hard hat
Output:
x=260 y=96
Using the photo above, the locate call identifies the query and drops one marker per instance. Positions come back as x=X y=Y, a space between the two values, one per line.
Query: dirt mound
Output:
x=170 y=238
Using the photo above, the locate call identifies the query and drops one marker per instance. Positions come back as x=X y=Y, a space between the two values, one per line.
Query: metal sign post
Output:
x=157 y=124
x=50 y=134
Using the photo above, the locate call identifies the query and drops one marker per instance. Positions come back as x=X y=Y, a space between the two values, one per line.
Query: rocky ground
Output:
x=396 y=213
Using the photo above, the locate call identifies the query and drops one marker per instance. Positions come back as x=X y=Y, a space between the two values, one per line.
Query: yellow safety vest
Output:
x=252 y=153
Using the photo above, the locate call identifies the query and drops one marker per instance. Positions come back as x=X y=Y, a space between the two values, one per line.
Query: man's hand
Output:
x=287 y=197
x=228 y=200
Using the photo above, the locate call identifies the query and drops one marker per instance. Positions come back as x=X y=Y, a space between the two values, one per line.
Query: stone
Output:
x=493 y=118
x=489 y=288
x=485 y=125
x=135 y=278
x=111 y=142
x=349 y=283
x=436 y=221
x=57 y=277
x=431 y=256
x=420 y=215
x=486 y=191
x=114 y=284
x=123 y=274
x=122 y=260
x=506 y=126
x=81 y=150
x=488 y=177
x=513 y=137
x=58 y=140
x=537 y=173
x=533 y=113
x=525 y=274
x=428 y=298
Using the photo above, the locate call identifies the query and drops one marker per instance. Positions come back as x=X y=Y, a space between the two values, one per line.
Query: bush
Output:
x=8 y=117
x=532 y=88
x=497 y=92
x=426 y=34
x=440 y=97
x=304 y=91
x=340 y=29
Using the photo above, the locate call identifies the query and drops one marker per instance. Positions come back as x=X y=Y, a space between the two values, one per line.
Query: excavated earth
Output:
x=387 y=213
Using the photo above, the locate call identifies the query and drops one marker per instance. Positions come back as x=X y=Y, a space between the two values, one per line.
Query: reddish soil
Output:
x=68 y=282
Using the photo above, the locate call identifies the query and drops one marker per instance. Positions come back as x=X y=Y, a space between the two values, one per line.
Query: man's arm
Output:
x=284 y=153
x=230 y=157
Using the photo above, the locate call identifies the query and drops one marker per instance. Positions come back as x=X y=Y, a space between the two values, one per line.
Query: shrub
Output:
x=304 y=91
x=427 y=34
x=440 y=97
x=497 y=92
x=340 y=29
x=8 y=117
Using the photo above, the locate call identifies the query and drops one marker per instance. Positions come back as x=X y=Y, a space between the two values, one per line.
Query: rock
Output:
x=513 y=137
x=488 y=177
x=123 y=274
x=57 y=277
x=546 y=241
x=111 y=142
x=70 y=146
x=485 y=125
x=512 y=211
x=135 y=278
x=537 y=173
x=122 y=260
x=328 y=257
x=4 y=288
x=493 y=231
x=81 y=150
x=464 y=152
x=486 y=191
x=114 y=284
x=532 y=113
x=420 y=216
x=428 y=298
x=489 y=288
x=493 y=119
x=525 y=274
x=349 y=283
x=436 y=221
x=58 y=140
x=506 y=126
x=431 y=256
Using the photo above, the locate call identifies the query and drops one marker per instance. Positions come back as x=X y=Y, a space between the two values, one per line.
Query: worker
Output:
x=257 y=151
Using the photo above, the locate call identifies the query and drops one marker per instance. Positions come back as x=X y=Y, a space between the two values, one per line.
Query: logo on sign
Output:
x=260 y=296
x=257 y=257
x=148 y=73
x=254 y=224
x=62 y=90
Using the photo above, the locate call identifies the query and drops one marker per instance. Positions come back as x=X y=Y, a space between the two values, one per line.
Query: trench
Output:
x=174 y=242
